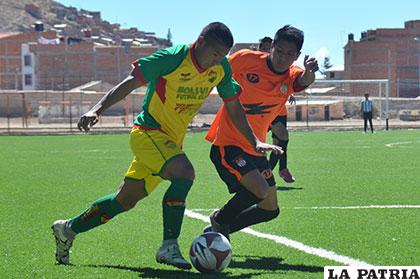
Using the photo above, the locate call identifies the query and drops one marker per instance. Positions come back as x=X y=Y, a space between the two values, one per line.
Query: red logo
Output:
x=253 y=78
x=267 y=174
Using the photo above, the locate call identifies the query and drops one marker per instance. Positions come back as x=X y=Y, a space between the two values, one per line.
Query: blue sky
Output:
x=326 y=23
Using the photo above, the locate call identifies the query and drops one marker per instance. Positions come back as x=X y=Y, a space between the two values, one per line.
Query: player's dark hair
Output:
x=290 y=34
x=264 y=41
x=217 y=32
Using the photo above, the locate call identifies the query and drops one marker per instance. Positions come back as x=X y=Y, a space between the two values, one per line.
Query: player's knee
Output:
x=266 y=215
x=261 y=192
x=127 y=202
x=186 y=171
x=271 y=214
x=282 y=135
x=279 y=132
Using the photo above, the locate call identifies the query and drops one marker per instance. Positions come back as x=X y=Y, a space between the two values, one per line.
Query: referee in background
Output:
x=367 y=109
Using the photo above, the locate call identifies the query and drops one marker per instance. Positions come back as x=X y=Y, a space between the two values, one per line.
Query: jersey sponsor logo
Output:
x=212 y=75
x=267 y=174
x=283 y=89
x=253 y=78
x=189 y=92
x=191 y=89
x=257 y=108
x=185 y=76
x=190 y=109
x=240 y=162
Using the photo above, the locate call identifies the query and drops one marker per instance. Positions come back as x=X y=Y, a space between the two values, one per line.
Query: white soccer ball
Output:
x=210 y=252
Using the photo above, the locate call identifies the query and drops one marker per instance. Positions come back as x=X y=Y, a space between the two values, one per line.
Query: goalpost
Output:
x=378 y=89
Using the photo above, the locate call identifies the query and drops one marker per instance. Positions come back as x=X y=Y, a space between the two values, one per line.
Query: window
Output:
x=27 y=60
x=313 y=110
x=28 y=79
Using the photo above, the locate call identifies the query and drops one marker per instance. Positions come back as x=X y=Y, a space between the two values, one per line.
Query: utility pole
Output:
x=417 y=39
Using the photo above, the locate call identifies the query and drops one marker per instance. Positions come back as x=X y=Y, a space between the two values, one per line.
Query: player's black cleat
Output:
x=220 y=228
x=207 y=229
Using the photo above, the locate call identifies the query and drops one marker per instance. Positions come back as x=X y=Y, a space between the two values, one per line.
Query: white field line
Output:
x=395 y=144
x=291 y=243
x=356 y=207
x=329 y=207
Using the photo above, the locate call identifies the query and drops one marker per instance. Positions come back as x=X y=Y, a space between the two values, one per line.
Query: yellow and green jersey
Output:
x=177 y=87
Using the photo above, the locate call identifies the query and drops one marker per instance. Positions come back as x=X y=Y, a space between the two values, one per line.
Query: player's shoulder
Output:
x=181 y=49
x=295 y=68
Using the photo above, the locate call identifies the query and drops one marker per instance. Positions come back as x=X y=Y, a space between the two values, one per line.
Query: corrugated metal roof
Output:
x=8 y=34
x=317 y=102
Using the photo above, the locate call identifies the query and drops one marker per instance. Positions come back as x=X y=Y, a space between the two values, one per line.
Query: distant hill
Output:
x=19 y=16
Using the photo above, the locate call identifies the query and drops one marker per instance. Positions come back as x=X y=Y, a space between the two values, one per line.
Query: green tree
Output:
x=326 y=65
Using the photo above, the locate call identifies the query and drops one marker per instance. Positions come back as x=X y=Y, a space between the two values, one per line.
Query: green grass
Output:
x=53 y=177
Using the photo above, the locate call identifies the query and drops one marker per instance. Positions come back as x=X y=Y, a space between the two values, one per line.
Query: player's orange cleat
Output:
x=287 y=176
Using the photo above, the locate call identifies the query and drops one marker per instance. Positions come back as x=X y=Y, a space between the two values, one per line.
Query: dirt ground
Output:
x=116 y=124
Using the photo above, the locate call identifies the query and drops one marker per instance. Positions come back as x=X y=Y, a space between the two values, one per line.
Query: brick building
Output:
x=10 y=56
x=27 y=64
x=387 y=53
x=62 y=67
x=239 y=46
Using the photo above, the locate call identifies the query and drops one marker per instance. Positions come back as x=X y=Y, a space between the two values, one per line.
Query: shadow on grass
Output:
x=288 y=188
x=148 y=272
x=270 y=264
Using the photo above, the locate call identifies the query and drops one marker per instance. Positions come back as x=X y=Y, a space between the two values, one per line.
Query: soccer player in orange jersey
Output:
x=278 y=128
x=265 y=44
x=267 y=80
x=280 y=136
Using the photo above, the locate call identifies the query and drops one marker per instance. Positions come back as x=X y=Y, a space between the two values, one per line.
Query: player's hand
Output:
x=292 y=100
x=311 y=64
x=87 y=120
x=263 y=147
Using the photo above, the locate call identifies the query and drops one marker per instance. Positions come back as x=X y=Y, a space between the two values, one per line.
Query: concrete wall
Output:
x=18 y=103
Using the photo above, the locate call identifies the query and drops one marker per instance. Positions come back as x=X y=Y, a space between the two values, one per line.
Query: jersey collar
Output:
x=270 y=66
x=194 y=59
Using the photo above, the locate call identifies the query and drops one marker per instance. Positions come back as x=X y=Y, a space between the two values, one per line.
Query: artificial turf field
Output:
x=325 y=215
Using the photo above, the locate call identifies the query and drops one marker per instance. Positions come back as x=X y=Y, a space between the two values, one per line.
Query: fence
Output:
x=327 y=104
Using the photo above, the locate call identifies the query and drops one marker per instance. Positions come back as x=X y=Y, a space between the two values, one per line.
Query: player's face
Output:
x=283 y=54
x=210 y=54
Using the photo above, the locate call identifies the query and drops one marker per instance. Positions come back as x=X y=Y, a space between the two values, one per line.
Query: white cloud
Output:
x=321 y=54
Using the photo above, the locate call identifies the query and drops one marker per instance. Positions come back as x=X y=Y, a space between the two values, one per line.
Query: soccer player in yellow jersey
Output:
x=179 y=79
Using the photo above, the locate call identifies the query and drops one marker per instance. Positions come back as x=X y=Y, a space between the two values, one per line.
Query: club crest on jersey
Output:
x=283 y=88
x=185 y=76
x=212 y=76
x=240 y=162
x=253 y=78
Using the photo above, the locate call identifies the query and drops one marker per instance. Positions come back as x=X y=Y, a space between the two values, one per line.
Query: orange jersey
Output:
x=283 y=111
x=264 y=96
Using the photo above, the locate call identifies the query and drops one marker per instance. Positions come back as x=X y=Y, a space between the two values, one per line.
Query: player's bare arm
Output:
x=237 y=114
x=308 y=76
x=115 y=95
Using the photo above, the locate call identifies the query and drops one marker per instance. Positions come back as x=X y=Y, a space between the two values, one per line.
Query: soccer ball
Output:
x=210 y=252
